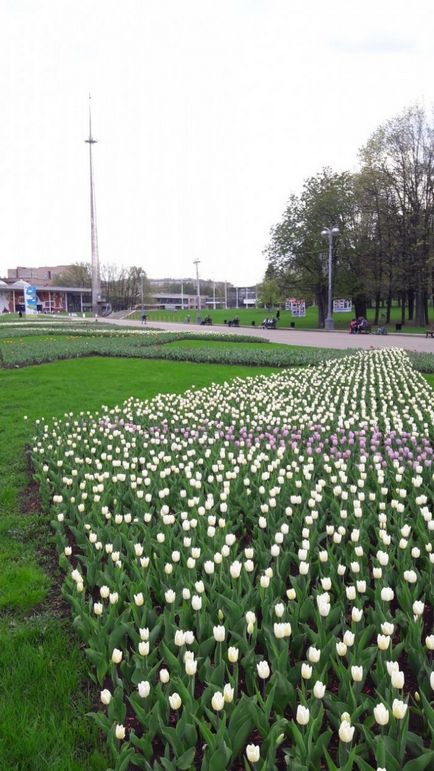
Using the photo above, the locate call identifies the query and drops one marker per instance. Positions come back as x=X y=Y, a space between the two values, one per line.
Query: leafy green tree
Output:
x=297 y=251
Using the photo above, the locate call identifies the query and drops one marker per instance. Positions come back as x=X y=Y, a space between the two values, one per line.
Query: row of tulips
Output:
x=250 y=566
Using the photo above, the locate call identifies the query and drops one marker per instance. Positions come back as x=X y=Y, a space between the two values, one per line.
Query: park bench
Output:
x=429 y=332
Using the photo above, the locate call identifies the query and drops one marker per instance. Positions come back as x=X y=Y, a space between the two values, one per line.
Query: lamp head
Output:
x=335 y=230
x=324 y=232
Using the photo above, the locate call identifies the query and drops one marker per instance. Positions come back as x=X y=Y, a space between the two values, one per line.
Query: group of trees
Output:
x=385 y=215
x=121 y=287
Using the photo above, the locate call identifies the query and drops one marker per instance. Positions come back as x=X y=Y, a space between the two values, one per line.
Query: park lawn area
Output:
x=222 y=344
x=44 y=692
x=310 y=321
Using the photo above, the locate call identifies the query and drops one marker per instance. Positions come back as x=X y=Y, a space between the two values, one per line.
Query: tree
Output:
x=77 y=274
x=401 y=154
x=297 y=252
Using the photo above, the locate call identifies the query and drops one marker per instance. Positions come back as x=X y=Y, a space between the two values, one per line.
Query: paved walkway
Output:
x=315 y=338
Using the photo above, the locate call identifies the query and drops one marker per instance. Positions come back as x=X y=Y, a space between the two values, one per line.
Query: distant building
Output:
x=44 y=275
x=168 y=302
x=49 y=299
x=242 y=297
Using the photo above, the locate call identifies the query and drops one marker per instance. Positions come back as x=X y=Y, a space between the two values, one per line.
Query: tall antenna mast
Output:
x=96 y=279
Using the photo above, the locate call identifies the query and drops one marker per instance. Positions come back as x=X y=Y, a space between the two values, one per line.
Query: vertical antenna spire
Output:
x=96 y=279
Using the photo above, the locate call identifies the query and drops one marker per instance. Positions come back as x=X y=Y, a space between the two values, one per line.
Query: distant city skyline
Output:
x=208 y=117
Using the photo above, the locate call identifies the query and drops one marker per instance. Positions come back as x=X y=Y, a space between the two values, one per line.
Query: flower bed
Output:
x=34 y=348
x=250 y=567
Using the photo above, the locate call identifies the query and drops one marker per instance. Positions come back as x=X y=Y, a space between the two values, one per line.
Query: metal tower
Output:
x=96 y=278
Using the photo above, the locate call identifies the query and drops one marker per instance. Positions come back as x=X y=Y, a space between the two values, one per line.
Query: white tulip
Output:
x=302 y=716
x=399 y=709
x=381 y=714
x=144 y=689
x=397 y=679
x=357 y=674
x=263 y=669
x=105 y=696
x=253 y=753
x=233 y=654
x=306 y=671
x=346 y=732
x=218 y=701
x=164 y=676
x=175 y=701
x=116 y=656
x=219 y=633
x=319 y=689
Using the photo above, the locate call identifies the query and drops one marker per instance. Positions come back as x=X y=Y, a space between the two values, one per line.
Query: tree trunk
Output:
x=410 y=297
x=359 y=302
x=321 y=305
x=377 y=307
x=421 y=318
x=389 y=304
x=403 y=308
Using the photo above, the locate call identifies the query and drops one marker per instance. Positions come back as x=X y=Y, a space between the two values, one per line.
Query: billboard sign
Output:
x=342 y=306
x=30 y=302
x=297 y=307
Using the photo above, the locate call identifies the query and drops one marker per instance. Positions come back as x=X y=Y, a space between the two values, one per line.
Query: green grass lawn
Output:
x=342 y=320
x=44 y=694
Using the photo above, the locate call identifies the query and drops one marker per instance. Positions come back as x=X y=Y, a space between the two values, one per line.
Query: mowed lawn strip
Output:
x=44 y=693
x=247 y=316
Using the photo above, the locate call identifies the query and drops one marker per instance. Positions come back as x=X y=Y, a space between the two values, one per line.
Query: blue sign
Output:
x=30 y=300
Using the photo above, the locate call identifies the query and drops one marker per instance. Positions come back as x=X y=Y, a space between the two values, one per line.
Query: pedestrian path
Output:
x=311 y=338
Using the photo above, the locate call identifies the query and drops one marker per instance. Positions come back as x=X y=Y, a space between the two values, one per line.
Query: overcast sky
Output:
x=209 y=114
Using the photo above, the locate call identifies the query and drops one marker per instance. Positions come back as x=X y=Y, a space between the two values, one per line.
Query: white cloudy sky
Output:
x=209 y=115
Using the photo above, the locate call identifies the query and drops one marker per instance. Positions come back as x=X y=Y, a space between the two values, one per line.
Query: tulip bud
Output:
x=175 y=701
x=190 y=667
x=397 y=679
x=116 y=656
x=120 y=732
x=263 y=669
x=164 y=676
x=357 y=674
x=302 y=716
x=252 y=753
x=233 y=655
x=313 y=654
x=306 y=671
x=219 y=633
x=381 y=714
x=399 y=708
x=346 y=731
x=105 y=696
x=319 y=689
x=383 y=642
x=144 y=689
x=218 y=701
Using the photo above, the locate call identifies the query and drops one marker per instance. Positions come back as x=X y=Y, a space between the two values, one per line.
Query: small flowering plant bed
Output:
x=33 y=347
x=250 y=567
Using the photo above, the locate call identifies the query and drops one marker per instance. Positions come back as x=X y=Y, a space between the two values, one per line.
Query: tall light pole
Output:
x=182 y=294
x=213 y=294
x=196 y=262
x=96 y=280
x=226 y=295
x=329 y=233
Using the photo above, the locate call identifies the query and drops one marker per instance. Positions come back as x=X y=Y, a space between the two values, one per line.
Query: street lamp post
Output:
x=329 y=233
x=196 y=262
